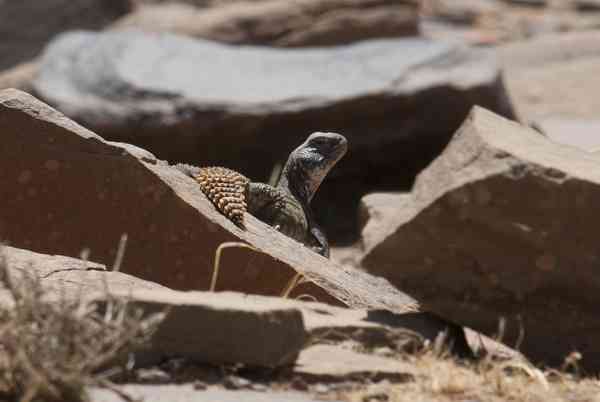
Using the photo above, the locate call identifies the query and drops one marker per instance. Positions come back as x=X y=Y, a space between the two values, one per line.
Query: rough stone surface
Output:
x=64 y=189
x=276 y=328
x=206 y=327
x=66 y=275
x=188 y=100
x=277 y=23
x=329 y=362
x=26 y=25
x=503 y=224
x=221 y=328
x=187 y=393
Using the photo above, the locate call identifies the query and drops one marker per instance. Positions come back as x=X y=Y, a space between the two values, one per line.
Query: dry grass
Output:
x=52 y=347
x=444 y=379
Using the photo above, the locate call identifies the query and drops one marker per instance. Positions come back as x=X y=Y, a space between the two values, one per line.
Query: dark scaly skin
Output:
x=287 y=206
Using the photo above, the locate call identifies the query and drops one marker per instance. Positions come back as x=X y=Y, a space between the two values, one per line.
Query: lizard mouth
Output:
x=340 y=148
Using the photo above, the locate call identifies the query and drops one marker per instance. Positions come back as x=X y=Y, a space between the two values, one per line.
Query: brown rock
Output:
x=277 y=23
x=26 y=25
x=503 y=224
x=64 y=189
x=587 y=5
x=71 y=276
x=273 y=326
x=221 y=328
x=231 y=315
x=207 y=327
x=459 y=11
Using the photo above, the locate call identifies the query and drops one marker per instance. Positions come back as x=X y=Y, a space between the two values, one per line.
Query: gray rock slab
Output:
x=187 y=393
x=245 y=107
x=503 y=225
x=212 y=73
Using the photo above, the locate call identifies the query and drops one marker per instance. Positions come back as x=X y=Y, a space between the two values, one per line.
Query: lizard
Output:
x=285 y=206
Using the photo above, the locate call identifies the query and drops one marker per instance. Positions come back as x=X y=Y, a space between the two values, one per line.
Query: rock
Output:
x=71 y=276
x=580 y=133
x=263 y=316
x=221 y=328
x=276 y=23
x=211 y=328
x=64 y=189
x=25 y=26
x=538 y=69
x=548 y=49
x=377 y=211
x=535 y=3
x=587 y=5
x=21 y=76
x=460 y=12
x=503 y=224
x=277 y=328
x=381 y=328
x=187 y=393
x=189 y=100
x=334 y=363
x=535 y=90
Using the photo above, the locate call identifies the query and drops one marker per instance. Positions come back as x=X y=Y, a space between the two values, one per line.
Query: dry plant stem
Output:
x=120 y=253
x=295 y=281
x=217 y=264
x=52 y=348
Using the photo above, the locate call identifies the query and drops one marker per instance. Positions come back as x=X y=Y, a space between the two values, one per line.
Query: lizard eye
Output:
x=318 y=142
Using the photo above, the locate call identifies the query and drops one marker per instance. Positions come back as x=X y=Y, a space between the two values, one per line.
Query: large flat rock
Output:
x=27 y=25
x=64 y=189
x=502 y=224
x=189 y=100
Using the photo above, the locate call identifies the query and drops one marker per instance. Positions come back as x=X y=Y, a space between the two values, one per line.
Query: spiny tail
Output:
x=226 y=189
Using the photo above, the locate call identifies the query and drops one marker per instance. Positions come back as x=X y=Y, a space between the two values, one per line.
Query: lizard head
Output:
x=308 y=164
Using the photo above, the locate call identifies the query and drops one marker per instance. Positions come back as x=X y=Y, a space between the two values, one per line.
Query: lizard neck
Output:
x=297 y=182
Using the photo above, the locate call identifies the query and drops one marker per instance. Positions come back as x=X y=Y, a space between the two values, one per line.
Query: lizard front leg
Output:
x=278 y=209
x=322 y=246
